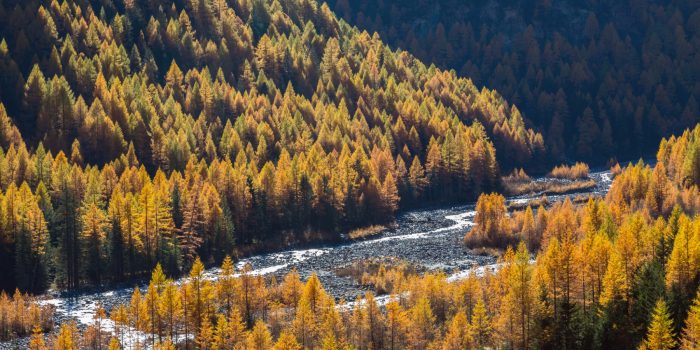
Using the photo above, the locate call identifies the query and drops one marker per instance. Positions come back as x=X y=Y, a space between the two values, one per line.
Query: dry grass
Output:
x=571 y=172
x=563 y=188
x=546 y=188
x=534 y=203
x=364 y=232
x=384 y=274
x=487 y=251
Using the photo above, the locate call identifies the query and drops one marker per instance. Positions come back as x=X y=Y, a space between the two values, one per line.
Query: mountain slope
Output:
x=600 y=79
x=156 y=133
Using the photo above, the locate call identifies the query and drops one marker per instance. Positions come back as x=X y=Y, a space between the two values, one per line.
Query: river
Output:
x=430 y=238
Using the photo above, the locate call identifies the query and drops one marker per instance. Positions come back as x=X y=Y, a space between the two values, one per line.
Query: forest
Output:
x=150 y=143
x=601 y=79
x=133 y=136
x=617 y=272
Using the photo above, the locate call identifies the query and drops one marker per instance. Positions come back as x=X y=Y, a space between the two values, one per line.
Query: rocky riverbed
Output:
x=431 y=238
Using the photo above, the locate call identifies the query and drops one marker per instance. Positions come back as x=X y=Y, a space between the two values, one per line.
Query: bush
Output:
x=572 y=172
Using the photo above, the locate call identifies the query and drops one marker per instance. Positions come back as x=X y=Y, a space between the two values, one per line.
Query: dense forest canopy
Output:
x=138 y=132
x=146 y=138
x=617 y=272
x=600 y=79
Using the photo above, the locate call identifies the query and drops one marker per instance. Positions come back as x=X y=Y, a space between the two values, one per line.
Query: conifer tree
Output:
x=660 y=332
x=93 y=233
x=37 y=340
x=422 y=330
x=481 y=325
x=287 y=341
x=690 y=337
x=458 y=335
x=259 y=338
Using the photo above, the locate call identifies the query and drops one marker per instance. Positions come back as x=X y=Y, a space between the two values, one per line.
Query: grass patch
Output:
x=367 y=231
x=516 y=188
x=577 y=171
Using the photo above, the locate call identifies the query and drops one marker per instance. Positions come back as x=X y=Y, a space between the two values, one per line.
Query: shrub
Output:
x=571 y=172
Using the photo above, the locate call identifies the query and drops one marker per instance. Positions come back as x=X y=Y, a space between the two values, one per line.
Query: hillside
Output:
x=292 y=174
x=614 y=272
x=135 y=133
x=599 y=79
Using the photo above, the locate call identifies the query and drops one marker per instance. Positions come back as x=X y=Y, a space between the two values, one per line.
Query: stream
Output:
x=430 y=238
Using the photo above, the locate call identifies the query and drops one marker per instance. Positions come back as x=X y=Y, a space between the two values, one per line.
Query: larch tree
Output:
x=422 y=331
x=36 y=342
x=681 y=263
x=416 y=179
x=145 y=222
x=287 y=341
x=30 y=242
x=228 y=285
x=170 y=310
x=481 y=325
x=67 y=337
x=66 y=198
x=304 y=324
x=690 y=336
x=33 y=96
x=458 y=334
x=192 y=225
x=660 y=332
x=137 y=313
x=94 y=224
x=114 y=344
x=259 y=338
x=396 y=323
x=520 y=292
x=490 y=221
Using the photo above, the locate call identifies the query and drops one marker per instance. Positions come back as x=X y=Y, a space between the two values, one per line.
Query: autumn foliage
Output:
x=141 y=137
x=491 y=225
x=596 y=275
x=134 y=134
x=571 y=172
x=601 y=79
x=22 y=315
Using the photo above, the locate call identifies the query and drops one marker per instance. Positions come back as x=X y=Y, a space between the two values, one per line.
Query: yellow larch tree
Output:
x=304 y=324
x=458 y=336
x=660 y=332
x=114 y=344
x=221 y=338
x=422 y=328
x=67 y=337
x=205 y=334
x=685 y=256
x=170 y=310
x=614 y=285
x=287 y=341
x=396 y=324
x=259 y=338
x=690 y=338
x=36 y=342
x=481 y=325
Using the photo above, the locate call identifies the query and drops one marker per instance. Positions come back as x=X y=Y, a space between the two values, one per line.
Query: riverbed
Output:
x=430 y=238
